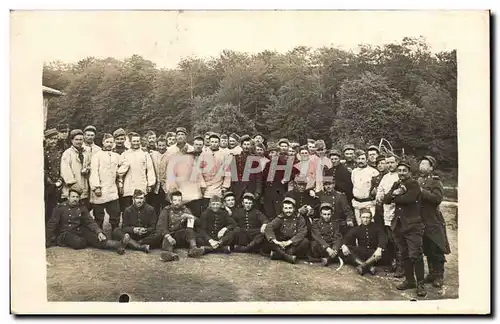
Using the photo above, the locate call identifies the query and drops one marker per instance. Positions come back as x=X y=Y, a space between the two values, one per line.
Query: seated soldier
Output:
x=287 y=234
x=248 y=235
x=342 y=212
x=176 y=228
x=71 y=225
x=230 y=202
x=216 y=228
x=139 y=221
x=326 y=236
x=371 y=243
x=306 y=204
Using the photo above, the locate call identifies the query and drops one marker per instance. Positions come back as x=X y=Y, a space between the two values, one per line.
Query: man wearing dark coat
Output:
x=326 y=236
x=52 y=172
x=341 y=176
x=408 y=228
x=249 y=232
x=306 y=204
x=435 y=240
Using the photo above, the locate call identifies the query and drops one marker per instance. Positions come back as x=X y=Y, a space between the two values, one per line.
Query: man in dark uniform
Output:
x=62 y=142
x=435 y=240
x=341 y=176
x=373 y=153
x=307 y=205
x=349 y=156
x=287 y=234
x=139 y=222
x=230 y=203
x=381 y=167
x=52 y=167
x=249 y=233
x=246 y=181
x=326 y=236
x=216 y=228
x=177 y=227
x=371 y=240
x=342 y=212
x=71 y=225
x=408 y=228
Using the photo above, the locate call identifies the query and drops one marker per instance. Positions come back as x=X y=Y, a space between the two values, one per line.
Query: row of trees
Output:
x=402 y=92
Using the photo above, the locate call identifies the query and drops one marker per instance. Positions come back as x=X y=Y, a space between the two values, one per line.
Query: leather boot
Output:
x=421 y=289
x=168 y=254
x=240 y=249
x=224 y=249
x=275 y=255
x=409 y=281
x=370 y=265
x=207 y=249
x=137 y=246
x=360 y=265
x=399 y=273
x=431 y=275
x=290 y=258
x=115 y=245
x=439 y=274
x=194 y=251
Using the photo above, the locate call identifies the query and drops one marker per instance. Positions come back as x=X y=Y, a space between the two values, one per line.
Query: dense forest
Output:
x=402 y=92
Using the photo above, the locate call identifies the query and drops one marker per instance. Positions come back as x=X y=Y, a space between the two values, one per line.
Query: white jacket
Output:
x=362 y=181
x=138 y=168
x=71 y=168
x=103 y=172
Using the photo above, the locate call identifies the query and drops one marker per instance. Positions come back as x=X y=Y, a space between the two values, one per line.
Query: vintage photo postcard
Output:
x=250 y=162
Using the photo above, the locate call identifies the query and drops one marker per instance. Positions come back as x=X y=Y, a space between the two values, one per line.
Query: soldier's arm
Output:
x=411 y=195
x=94 y=180
x=123 y=165
x=316 y=235
x=269 y=231
x=52 y=225
x=152 y=219
x=351 y=234
x=389 y=197
x=301 y=231
x=66 y=172
x=230 y=222
x=433 y=194
x=150 y=171
x=338 y=239
x=262 y=218
x=203 y=226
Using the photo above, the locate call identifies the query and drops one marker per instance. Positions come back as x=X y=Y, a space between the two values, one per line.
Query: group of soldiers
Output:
x=226 y=193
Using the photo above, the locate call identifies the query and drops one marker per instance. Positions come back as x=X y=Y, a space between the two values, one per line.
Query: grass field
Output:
x=96 y=275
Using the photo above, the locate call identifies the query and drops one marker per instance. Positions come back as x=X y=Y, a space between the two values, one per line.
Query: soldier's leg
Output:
x=415 y=252
x=186 y=237
x=256 y=240
x=154 y=240
x=409 y=274
x=227 y=238
x=129 y=240
x=435 y=261
x=357 y=214
x=278 y=253
x=98 y=212
x=86 y=202
x=107 y=244
x=427 y=248
x=240 y=240
x=113 y=209
x=317 y=252
x=393 y=253
x=301 y=249
x=72 y=240
x=168 y=251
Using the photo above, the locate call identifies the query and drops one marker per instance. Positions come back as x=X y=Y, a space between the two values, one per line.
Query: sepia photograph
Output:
x=214 y=156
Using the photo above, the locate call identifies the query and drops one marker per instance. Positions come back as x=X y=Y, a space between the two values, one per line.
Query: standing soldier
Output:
x=308 y=167
x=242 y=179
x=206 y=141
x=341 y=176
x=361 y=181
x=198 y=145
x=258 y=139
x=75 y=168
x=349 y=157
x=216 y=228
x=103 y=190
x=408 y=228
x=151 y=137
x=435 y=240
x=171 y=139
x=381 y=167
x=287 y=234
x=224 y=142
x=326 y=236
x=233 y=144
x=89 y=138
x=342 y=212
x=283 y=144
x=120 y=136
x=138 y=170
x=139 y=222
x=250 y=226
x=160 y=160
x=52 y=167
x=306 y=204
x=373 y=153
x=62 y=142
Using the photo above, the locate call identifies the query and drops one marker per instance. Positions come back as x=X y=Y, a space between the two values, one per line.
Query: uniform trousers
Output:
x=227 y=239
x=125 y=202
x=148 y=238
x=196 y=206
x=317 y=250
x=113 y=209
x=80 y=238
x=244 y=236
x=410 y=246
x=299 y=249
x=432 y=250
x=52 y=196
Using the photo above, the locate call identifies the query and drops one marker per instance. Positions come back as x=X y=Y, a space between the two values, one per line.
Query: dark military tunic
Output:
x=350 y=165
x=369 y=237
x=246 y=183
x=52 y=163
x=139 y=217
x=342 y=178
x=342 y=212
x=290 y=228
x=211 y=223
x=326 y=234
x=248 y=225
x=431 y=197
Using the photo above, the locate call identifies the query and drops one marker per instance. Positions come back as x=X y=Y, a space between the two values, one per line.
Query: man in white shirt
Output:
x=89 y=138
x=361 y=178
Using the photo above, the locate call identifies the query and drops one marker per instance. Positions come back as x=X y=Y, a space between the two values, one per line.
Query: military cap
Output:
x=380 y=158
x=78 y=191
x=198 y=137
x=325 y=205
x=258 y=134
x=405 y=163
x=373 y=147
x=75 y=132
x=284 y=140
x=348 y=147
x=294 y=145
x=365 y=211
x=181 y=130
x=119 y=132
x=289 y=200
x=50 y=132
x=311 y=141
x=272 y=147
x=161 y=138
x=235 y=136
x=150 y=133
x=133 y=134
x=223 y=136
x=106 y=136
x=300 y=179
x=228 y=194
x=216 y=198
x=214 y=135
x=334 y=152
x=358 y=153
x=64 y=127
x=429 y=158
x=170 y=134
x=90 y=128
x=249 y=195
x=138 y=192
x=245 y=138
x=320 y=144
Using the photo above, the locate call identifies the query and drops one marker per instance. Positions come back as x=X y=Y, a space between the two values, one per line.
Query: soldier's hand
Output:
x=98 y=192
x=286 y=243
x=142 y=230
x=229 y=210
x=170 y=239
x=374 y=192
x=331 y=252
x=397 y=192
x=350 y=223
x=221 y=233
x=213 y=243
x=312 y=193
x=263 y=228
x=101 y=237
x=345 y=250
x=378 y=254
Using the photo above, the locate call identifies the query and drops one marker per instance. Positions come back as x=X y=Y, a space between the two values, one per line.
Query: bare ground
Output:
x=96 y=275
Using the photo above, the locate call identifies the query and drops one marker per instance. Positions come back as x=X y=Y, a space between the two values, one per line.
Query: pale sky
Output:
x=165 y=37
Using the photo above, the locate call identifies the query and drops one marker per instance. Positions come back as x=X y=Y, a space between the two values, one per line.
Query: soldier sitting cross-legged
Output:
x=287 y=234
x=250 y=226
x=176 y=228
x=71 y=225
x=326 y=236
x=139 y=221
x=216 y=230
x=371 y=243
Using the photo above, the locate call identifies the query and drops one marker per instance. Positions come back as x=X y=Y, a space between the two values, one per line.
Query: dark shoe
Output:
x=115 y=245
x=360 y=269
x=372 y=270
x=406 y=285
x=290 y=258
x=145 y=248
x=429 y=278
x=240 y=249
x=274 y=256
x=207 y=249
x=225 y=249
x=438 y=282
x=421 y=290
x=120 y=250
x=167 y=256
x=195 y=252
x=399 y=272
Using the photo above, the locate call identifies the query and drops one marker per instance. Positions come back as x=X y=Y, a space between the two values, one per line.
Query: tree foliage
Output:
x=402 y=92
